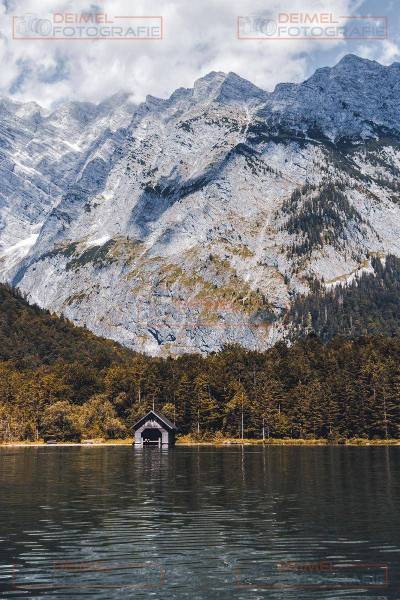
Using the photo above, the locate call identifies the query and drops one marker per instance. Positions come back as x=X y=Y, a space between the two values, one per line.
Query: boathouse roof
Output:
x=152 y=415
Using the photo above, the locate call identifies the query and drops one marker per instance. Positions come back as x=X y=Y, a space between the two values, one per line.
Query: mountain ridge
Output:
x=186 y=223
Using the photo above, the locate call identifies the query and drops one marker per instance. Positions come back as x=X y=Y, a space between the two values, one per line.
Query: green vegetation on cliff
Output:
x=370 y=304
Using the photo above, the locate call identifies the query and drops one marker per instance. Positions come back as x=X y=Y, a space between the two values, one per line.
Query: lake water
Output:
x=200 y=522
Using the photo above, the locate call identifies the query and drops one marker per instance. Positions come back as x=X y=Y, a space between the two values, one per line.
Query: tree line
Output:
x=61 y=381
x=369 y=304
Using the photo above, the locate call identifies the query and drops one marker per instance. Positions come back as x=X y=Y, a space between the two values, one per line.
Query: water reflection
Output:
x=199 y=522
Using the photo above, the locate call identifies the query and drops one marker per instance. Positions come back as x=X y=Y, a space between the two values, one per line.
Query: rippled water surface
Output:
x=232 y=522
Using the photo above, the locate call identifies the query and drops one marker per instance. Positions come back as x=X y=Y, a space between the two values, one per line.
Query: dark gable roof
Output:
x=153 y=415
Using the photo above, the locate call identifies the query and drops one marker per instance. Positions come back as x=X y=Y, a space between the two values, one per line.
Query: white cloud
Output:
x=200 y=36
x=389 y=52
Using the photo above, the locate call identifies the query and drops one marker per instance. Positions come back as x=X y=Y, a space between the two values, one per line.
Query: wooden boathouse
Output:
x=154 y=430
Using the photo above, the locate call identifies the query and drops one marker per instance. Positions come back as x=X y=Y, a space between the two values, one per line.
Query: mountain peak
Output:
x=237 y=88
x=225 y=88
x=117 y=99
x=353 y=59
x=23 y=110
x=208 y=86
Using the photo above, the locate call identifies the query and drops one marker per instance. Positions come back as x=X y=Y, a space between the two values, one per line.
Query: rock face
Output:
x=184 y=224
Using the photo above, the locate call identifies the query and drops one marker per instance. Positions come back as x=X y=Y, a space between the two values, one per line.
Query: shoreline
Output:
x=220 y=443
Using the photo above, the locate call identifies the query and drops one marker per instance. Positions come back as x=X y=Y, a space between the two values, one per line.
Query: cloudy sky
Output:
x=198 y=36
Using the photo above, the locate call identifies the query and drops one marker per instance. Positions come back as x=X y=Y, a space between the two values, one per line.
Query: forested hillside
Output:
x=31 y=336
x=60 y=380
x=369 y=304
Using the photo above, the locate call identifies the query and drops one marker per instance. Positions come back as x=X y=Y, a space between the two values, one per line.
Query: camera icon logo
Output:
x=32 y=26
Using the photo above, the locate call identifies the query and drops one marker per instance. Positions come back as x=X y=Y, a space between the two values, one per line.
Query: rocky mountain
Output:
x=186 y=223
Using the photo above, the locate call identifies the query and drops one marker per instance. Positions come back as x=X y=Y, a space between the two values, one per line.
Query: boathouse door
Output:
x=151 y=436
